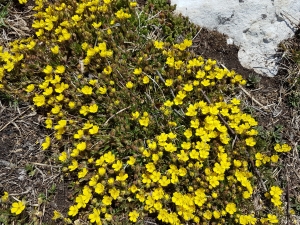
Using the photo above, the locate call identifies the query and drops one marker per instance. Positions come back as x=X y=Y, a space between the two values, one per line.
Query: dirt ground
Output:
x=27 y=171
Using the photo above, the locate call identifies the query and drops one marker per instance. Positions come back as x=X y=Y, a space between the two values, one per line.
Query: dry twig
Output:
x=16 y=117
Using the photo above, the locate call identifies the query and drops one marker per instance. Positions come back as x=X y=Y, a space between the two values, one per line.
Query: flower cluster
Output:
x=140 y=124
x=282 y=148
x=276 y=193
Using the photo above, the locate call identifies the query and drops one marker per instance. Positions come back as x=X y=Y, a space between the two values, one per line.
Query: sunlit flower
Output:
x=129 y=85
x=63 y=157
x=133 y=216
x=73 y=210
x=133 y=4
x=137 y=71
x=87 y=90
x=231 y=208
x=17 y=207
x=46 y=143
x=29 y=88
x=82 y=173
x=60 y=69
x=55 y=49
x=56 y=215
x=102 y=90
x=48 y=69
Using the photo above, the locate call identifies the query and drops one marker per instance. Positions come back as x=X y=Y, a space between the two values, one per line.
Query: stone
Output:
x=256 y=26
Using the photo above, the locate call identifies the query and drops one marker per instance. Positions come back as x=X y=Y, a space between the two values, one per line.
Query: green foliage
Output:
x=3 y=13
x=253 y=81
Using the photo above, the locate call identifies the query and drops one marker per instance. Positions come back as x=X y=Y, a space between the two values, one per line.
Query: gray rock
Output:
x=257 y=26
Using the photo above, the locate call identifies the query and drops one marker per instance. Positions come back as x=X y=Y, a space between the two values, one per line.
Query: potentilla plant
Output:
x=149 y=128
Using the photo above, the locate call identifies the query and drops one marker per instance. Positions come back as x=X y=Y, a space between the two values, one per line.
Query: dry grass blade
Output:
x=11 y=121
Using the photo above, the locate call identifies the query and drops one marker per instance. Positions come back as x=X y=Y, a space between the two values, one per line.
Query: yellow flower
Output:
x=96 y=25
x=131 y=160
x=102 y=90
x=133 y=216
x=169 y=82
x=107 y=200
x=39 y=33
x=235 y=101
x=81 y=146
x=129 y=85
x=59 y=88
x=285 y=148
x=72 y=104
x=31 y=45
x=22 y=1
x=93 y=82
x=93 y=108
x=158 y=44
x=274 y=158
x=55 y=109
x=146 y=79
x=137 y=71
x=135 y=115
x=29 y=88
x=275 y=191
x=55 y=49
x=168 y=103
x=205 y=82
x=250 y=141
x=60 y=69
x=93 y=181
x=276 y=201
x=109 y=157
x=133 y=4
x=122 y=176
x=122 y=15
x=73 y=210
x=56 y=215
x=117 y=166
x=74 y=165
x=84 y=45
x=95 y=216
x=48 y=69
x=188 y=87
x=87 y=90
x=94 y=129
x=114 y=193
x=272 y=218
x=47 y=143
x=61 y=125
x=87 y=125
x=207 y=215
x=144 y=121
x=170 y=61
x=231 y=208
x=76 y=18
x=82 y=173
x=107 y=70
x=60 y=97
x=99 y=188
x=164 y=181
x=17 y=207
x=63 y=157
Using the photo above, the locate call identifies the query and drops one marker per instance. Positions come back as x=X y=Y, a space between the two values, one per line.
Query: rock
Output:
x=256 y=26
